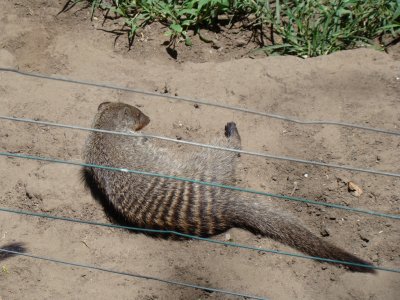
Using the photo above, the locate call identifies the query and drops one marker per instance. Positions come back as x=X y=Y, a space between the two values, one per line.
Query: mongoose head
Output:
x=119 y=117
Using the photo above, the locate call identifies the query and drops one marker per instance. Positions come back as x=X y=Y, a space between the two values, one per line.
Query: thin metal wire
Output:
x=189 y=285
x=253 y=153
x=214 y=184
x=230 y=244
x=198 y=101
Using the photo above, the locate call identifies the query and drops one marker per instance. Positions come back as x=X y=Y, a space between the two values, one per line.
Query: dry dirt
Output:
x=359 y=86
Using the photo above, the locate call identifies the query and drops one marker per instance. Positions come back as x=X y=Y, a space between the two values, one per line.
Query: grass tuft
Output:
x=304 y=28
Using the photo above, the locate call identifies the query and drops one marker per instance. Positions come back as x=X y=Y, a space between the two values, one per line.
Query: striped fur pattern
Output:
x=160 y=203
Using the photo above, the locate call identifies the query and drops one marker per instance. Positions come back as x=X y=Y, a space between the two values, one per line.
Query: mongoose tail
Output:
x=261 y=219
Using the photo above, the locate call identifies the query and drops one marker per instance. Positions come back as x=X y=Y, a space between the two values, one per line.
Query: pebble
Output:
x=364 y=237
x=228 y=237
x=354 y=189
x=216 y=45
x=325 y=232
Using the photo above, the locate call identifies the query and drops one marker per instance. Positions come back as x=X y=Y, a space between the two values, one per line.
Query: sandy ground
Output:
x=354 y=86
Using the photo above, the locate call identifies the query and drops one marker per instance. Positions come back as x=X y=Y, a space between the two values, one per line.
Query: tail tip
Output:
x=367 y=268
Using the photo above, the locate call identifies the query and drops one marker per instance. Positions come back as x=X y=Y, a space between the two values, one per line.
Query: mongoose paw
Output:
x=230 y=129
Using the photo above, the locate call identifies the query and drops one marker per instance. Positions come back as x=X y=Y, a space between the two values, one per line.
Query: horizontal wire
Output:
x=214 y=184
x=198 y=101
x=209 y=240
x=189 y=285
x=253 y=153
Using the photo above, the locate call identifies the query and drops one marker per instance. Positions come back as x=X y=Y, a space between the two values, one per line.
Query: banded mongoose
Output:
x=160 y=203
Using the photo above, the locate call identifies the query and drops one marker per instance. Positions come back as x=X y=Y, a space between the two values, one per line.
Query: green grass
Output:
x=297 y=27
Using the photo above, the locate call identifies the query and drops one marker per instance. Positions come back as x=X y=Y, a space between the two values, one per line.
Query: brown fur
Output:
x=160 y=203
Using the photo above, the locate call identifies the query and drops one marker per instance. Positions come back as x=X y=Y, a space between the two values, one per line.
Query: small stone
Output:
x=196 y=105
x=364 y=237
x=354 y=189
x=216 y=44
x=165 y=89
x=178 y=137
x=340 y=221
x=274 y=178
x=324 y=267
x=345 y=203
x=324 y=232
x=178 y=124
x=228 y=237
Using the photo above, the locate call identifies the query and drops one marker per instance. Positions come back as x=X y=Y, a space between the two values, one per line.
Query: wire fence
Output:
x=252 y=153
x=198 y=101
x=173 y=282
x=169 y=232
x=214 y=184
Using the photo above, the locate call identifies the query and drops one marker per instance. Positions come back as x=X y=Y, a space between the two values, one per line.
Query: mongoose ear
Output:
x=102 y=105
x=124 y=113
